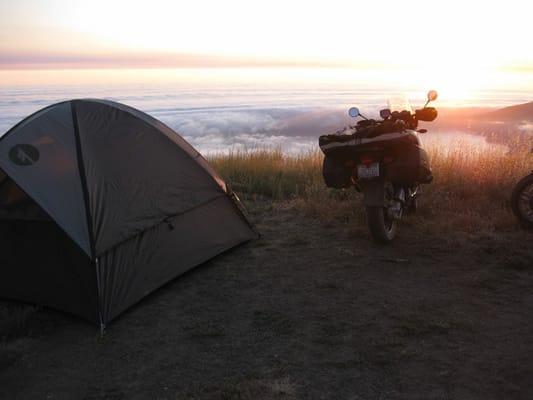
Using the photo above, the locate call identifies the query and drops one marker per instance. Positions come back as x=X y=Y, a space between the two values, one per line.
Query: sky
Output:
x=220 y=69
x=445 y=35
x=460 y=47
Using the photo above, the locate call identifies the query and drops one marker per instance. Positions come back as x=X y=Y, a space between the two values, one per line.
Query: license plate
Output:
x=368 y=171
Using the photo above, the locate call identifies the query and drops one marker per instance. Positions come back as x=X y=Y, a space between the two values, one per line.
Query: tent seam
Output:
x=162 y=221
x=85 y=191
x=83 y=178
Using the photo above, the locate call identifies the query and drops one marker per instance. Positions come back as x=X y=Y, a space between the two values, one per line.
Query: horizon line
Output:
x=68 y=61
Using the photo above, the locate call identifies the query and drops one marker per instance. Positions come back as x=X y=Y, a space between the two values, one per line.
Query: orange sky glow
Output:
x=459 y=45
x=164 y=33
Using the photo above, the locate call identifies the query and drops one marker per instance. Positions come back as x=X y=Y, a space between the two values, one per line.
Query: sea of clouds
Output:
x=211 y=120
x=222 y=130
x=217 y=120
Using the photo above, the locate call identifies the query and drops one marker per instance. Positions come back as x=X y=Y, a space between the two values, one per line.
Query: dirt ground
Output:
x=312 y=310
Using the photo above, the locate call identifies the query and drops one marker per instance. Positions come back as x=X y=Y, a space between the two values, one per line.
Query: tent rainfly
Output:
x=101 y=204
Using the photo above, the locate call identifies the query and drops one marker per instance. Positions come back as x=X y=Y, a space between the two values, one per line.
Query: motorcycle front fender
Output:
x=373 y=193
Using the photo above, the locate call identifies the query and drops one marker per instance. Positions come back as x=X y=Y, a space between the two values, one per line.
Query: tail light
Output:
x=366 y=160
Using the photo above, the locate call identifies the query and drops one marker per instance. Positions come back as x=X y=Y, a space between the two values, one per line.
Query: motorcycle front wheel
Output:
x=522 y=201
x=382 y=227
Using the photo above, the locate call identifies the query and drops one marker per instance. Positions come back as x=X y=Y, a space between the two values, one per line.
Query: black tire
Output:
x=522 y=201
x=382 y=228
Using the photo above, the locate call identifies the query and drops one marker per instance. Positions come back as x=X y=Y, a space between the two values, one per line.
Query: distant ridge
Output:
x=520 y=112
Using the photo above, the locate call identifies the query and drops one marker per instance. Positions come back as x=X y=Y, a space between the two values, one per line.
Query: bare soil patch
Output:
x=312 y=310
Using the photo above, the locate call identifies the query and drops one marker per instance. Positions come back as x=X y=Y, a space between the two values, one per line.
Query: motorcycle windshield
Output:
x=399 y=103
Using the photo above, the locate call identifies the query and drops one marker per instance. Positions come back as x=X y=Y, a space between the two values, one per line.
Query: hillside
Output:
x=517 y=113
x=314 y=309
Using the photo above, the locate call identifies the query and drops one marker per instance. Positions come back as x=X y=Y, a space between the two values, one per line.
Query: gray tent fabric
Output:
x=171 y=135
x=130 y=164
x=55 y=185
x=141 y=205
x=122 y=276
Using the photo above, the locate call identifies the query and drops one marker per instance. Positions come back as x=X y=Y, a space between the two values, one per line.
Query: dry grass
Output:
x=271 y=173
x=472 y=187
x=470 y=192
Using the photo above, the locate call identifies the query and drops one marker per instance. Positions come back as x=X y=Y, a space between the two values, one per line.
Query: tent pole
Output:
x=102 y=324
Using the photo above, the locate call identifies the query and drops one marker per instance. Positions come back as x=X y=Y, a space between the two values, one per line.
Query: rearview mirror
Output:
x=432 y=95
x=426 y=114
x=353 y=112
x=385 y=113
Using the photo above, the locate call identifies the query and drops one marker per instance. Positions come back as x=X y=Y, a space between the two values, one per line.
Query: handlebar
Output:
x=399 y=120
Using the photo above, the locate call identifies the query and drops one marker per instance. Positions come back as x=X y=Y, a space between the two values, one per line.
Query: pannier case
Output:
x=410 y=163
x=336 y=174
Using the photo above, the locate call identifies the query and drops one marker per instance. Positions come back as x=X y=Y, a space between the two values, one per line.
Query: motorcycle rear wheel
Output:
x=382 y=227
x=522 y=201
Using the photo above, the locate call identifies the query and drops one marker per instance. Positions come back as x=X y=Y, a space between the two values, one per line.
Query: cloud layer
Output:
x=213 y=130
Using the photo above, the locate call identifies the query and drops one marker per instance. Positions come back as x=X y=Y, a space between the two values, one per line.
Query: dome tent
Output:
x=101 y=204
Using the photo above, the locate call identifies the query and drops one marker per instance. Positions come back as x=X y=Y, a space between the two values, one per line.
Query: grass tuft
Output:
x=470 y=193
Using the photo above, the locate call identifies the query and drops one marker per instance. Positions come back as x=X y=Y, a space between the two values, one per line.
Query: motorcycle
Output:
x=522 y=201
x=384 y=160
